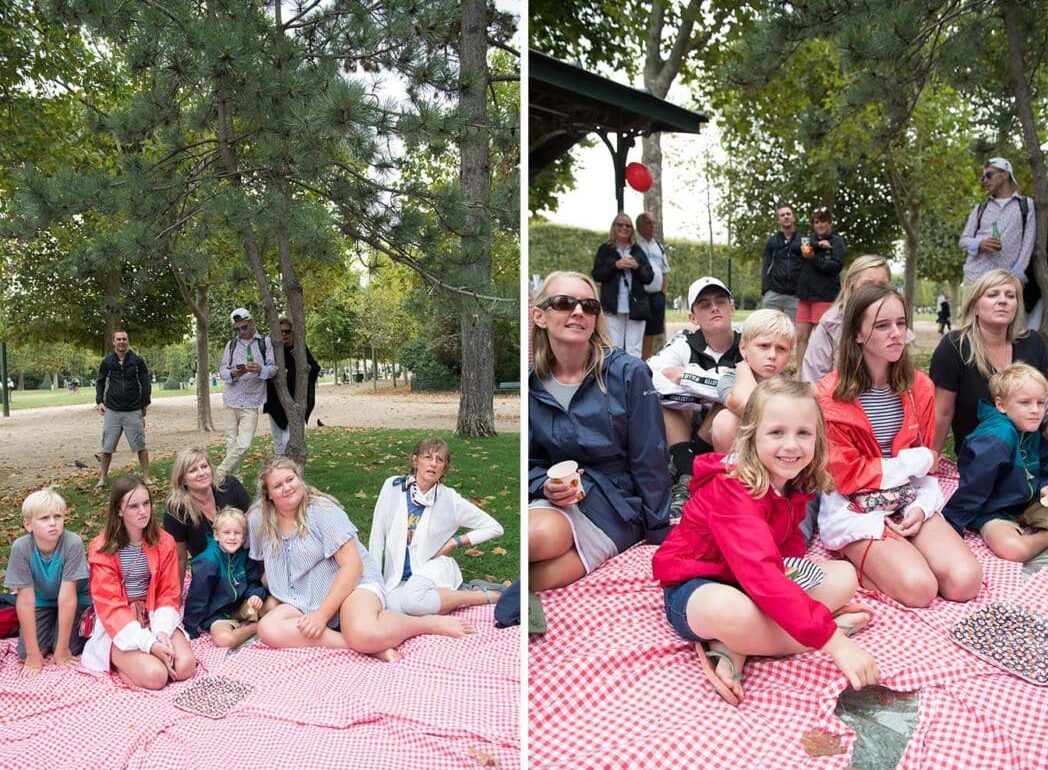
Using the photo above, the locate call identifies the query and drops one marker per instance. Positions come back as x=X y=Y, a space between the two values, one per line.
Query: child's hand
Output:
x=853 y=661
x=65 y=658
x=163 y=651
x=254 y=602
x=32 y=666
x=910 y=524
x=311 y=625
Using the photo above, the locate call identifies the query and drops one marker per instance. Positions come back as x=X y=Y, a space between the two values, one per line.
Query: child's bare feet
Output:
x=389 y=655
x=448 y=625
x=853 y=617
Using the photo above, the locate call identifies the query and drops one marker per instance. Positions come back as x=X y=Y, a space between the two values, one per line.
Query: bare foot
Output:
x=730 y=672
x=389 y=655
x=852 y=623
x=447 y=625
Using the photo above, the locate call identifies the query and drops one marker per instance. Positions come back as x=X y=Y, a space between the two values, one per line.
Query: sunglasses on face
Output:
x=565 y=303
x=627 y=225
x=988 y=175
x=240 y=328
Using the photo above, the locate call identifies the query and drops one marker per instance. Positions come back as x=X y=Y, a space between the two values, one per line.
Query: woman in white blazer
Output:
x=414 y=529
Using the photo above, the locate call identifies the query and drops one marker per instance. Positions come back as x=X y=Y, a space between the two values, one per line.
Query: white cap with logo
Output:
x=240 y=314
x=701 y=285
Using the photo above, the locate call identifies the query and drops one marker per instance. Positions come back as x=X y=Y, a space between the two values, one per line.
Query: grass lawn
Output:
x=351 y=466
x=33 y=399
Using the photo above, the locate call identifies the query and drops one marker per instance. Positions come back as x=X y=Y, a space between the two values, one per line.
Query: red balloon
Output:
x=638 y=177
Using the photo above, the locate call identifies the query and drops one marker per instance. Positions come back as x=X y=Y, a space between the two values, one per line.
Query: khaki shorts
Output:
x=129 y=423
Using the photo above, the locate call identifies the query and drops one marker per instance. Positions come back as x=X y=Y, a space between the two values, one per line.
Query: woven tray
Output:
x=1009 y=637
x=212 y=696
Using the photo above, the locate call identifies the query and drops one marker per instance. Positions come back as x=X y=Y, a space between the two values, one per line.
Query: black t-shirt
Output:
x=948 y=371
x=231 y=492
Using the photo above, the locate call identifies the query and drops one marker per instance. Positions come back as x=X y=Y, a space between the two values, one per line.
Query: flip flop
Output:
x=710 y=670
x=484 y=585
x=851 y=607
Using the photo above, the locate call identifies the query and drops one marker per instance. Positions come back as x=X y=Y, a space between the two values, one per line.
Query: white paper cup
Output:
x=567 y=472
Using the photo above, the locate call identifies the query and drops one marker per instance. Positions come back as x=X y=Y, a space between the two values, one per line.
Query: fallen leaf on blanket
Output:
x=497 y=551
x=485 y=759
x=820 y=743
x=885 y=697
x=474 y=552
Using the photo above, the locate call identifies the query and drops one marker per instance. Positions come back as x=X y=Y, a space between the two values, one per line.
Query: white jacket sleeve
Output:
x=929 y=497
x=134 y=637
x=379 y=524
x=163 y=620
x=913 y=463
x=482 y=527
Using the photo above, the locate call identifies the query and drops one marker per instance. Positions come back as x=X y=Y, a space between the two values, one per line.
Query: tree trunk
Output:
x=651 y=156
x=203 y=369
x=110 y=281
x=476 y=416
x=908 y=210
x=1034 y=153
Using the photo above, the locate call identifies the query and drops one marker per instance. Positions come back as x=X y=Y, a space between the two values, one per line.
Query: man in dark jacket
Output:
x=122 y=395
x=273 y=407
x=781 y=266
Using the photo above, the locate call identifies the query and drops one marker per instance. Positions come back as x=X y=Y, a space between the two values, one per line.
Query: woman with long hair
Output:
x=880 y=419
x=595 y=405
x=197 y=494
x=623 y=270
x=330 y=588
x=136 y=592
x=821 y=351
x=990 y=337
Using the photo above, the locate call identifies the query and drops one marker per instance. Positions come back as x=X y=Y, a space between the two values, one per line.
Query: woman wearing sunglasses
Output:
x=623 y=270
x=593 y=404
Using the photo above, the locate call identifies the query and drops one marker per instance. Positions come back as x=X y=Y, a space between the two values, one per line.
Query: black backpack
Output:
x=1031 y=292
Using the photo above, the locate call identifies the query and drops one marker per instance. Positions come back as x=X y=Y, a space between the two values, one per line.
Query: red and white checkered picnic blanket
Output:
x=611 y=685
x=316 y=709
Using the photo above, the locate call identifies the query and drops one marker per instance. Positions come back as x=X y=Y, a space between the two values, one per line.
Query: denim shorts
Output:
x=675 y=598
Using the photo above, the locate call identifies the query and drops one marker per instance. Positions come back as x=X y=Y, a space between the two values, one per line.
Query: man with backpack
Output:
x=246 y=365
x=122 y=396
x=1000 y=230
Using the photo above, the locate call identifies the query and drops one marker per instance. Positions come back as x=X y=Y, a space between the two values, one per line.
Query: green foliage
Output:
x=435 y=367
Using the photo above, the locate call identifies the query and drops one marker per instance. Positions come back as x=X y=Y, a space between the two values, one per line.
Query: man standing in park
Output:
x=1000 y=230
x=781 y=265
x=655 y=329
x=277 y=417
x=245 y=368
x=122 y=395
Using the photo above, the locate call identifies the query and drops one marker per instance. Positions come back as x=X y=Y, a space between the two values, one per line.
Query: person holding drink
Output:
x=819 y=282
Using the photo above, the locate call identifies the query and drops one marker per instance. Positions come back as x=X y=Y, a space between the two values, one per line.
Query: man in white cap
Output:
x=686 y=372
x=246 y=365
x=1000 y=230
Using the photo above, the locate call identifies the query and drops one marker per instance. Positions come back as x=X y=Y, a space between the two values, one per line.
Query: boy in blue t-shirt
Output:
x=1003 y=466
x=48 y=571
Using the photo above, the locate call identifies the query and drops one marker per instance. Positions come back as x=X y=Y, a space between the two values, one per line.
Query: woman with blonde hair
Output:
x=596 y=406
x=990 y=337
x=197 y=494
x=330 y=588
x=623 y=270
x=820 y=354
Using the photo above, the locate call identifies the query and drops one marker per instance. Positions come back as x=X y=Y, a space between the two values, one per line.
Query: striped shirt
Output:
x=302 y=569
x=136 y=570
x=1016 y=240
x=884 y=411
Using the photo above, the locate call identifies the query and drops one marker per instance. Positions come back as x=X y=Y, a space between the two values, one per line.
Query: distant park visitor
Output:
x=247 y=362
x=122 y=393
x=278 y=424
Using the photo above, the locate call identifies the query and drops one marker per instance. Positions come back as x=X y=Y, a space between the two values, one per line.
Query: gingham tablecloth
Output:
x=612 y=686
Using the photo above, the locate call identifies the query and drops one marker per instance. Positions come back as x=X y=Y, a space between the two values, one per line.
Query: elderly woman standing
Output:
x=330 y=588
x=990 y=337
x=597 y=406
x=623 y=270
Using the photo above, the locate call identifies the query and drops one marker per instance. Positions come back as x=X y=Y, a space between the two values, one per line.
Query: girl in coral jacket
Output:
x=880 y=419
x=135 y=587
x=733 y=579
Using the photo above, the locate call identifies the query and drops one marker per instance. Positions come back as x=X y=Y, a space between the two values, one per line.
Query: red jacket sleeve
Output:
x=169 y=592
x=746 y=542
x=851 y=469
x=107 y=589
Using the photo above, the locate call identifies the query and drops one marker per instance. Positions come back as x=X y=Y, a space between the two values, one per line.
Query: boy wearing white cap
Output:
x=687 y=371
x=246 y=365
x=1000 y=230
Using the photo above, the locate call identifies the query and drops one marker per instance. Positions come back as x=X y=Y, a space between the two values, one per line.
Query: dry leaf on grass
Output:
x=497 y=551
x=360 y=493
x=474 y=552
x=483 y=758
x=820 y=743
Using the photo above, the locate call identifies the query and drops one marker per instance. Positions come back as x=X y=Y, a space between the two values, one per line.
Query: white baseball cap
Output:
x=240 y=314
x=1003 y=165
x=699 y=286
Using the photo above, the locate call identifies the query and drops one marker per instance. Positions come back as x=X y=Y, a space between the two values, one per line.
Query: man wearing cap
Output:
x=1000 y=230
x=781 y=265
x=122 y=395
x=246 y=365
x=686 y=373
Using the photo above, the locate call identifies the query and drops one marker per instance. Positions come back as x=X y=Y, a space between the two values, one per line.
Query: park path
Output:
x=42 y=445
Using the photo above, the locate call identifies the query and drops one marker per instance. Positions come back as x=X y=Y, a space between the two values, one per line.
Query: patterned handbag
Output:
x=890 y=500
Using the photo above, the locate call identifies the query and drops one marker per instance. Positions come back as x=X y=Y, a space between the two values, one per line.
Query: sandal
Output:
x=710 y=670
x=852 y=607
